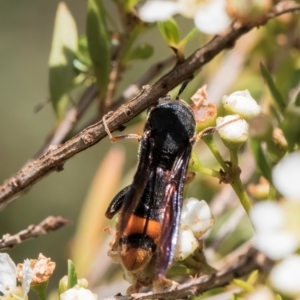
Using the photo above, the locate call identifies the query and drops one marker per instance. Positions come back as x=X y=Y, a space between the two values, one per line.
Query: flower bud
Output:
x=241 y=103
x=82 y=282
x=42 y=268
x=250 y=11
x=233 y=131
x=63 y=285
x=272 y=237
x=78 y=293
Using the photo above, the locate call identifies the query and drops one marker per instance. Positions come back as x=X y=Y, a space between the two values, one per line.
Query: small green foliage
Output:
x=62 y=55
x=129 y=4
x=291 y=128
x=297 y=100
x=169 y=31
x=98 y=43
x=281 y=104
x=72 y=276
x=244 y=285
x=83 y=60
x=192 y=34
x=40 y=289
x=142 y=51
x=261 y=160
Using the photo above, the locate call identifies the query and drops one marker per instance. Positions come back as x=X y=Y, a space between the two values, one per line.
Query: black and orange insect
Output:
x=149 y=209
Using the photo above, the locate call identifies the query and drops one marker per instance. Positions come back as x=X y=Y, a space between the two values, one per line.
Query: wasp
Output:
x=150 y=208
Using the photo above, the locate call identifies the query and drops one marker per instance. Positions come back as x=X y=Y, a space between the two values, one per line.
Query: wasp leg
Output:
x=119 y=137
x=116 y=203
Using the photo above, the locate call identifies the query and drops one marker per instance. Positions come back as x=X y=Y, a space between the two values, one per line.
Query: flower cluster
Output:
x=233 y=129
x=209 y=16
x=8 y=278
x=277 y=227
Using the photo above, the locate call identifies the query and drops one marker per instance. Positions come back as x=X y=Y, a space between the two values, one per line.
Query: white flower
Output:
x=286 y=176
x=276 y=245
x=268 y=219
x=8 y=280
x=261 y=293
x=196 y=219
x=241 y=102
x=8 y=273
x=197 y=216
x=270 y=211
x=186 y=243
x=232 y=129
x=153 y=11
x=285 y=276
x=78 y=293
x=209 y=15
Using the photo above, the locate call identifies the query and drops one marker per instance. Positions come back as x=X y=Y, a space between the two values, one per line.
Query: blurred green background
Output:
x=26 y=29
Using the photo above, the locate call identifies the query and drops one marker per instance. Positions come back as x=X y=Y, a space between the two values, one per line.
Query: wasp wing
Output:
x=173 y=205
x=141 y=177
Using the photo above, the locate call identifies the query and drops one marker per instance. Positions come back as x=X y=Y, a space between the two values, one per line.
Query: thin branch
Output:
x=33 y=231
x=54 y=159
x=70 y=120
x=251 y=260
x=135 y=88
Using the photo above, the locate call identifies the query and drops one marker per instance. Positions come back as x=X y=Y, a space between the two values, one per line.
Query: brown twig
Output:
x=54 y=159
x=33 y=231
x=70 y=120
x=135 y=88
x=251 y=260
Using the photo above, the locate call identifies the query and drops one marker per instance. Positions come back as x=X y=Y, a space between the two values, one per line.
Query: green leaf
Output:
x=291 y=128
x=142 y=51
x=297 y=99
x=278 y=297
x=82 y=54
x=272 y=87
x=260 y=159
x=169 y=31
x=245 y=286
x=98 y=43
x=63 y=48
x=72 y=276
x=40 y=289
x=129 y=5
x=192 y=34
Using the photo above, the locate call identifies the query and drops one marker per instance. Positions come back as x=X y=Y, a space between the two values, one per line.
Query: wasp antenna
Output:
x=182 y=88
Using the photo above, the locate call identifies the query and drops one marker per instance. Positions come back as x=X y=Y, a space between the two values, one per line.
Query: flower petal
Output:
x=8 y=273
x=277 y=244
x=286 y=176
x=153 y=11
x=197 y=216
x=27 y=276
x=211 y=17
x=285 y=277
x=186 y=243
x=267 y=210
